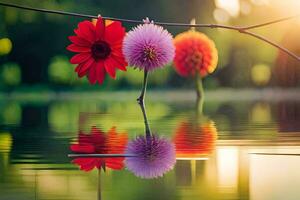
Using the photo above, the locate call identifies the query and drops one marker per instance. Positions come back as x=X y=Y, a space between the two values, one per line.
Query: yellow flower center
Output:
x=149 y=53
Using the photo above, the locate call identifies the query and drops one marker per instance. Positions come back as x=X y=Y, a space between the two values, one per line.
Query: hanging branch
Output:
x=270 y=22
x=240 y=29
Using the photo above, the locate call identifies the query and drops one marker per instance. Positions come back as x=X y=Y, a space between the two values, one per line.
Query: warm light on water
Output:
x=227 y=164
x=34 y=162
x=273 y=177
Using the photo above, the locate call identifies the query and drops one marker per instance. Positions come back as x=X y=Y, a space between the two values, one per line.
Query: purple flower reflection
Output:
x=155 y=156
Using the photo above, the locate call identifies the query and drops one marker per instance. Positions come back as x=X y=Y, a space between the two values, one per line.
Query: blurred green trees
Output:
x=10 y=74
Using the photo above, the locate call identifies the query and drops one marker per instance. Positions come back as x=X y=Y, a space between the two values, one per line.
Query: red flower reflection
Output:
x=193 y=140
x=99 y=48
x=100 y=143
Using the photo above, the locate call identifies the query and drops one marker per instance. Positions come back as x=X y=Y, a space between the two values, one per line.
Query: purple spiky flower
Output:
x=155 y=156
x=148 y=46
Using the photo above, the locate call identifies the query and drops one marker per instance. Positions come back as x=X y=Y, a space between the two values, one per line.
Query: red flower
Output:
x=192 y=140
x=99 y=48
x=100 y=143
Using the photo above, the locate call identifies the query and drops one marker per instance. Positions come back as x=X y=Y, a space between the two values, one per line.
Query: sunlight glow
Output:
x=286 y=7
x=227 y=164
x=231 y=6
x=274 y=177
x=260 y=2
x=221 y=15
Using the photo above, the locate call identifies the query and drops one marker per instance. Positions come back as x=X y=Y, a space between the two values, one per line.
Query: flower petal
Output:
x=100 y=72
x=100 y=28
x=85 y=67
x=78 y=148
x=92 y=75
x=114 y=33
x=78 y=49
x=117 y=53
x=86 y=31
x=79 y=41
x=78 y=68
x=120 y=62
x=115 y=163
x=80 y=58
x=86 y=164
x=109 y=65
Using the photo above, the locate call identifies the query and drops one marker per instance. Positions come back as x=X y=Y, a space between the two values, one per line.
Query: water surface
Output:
x=232 y=149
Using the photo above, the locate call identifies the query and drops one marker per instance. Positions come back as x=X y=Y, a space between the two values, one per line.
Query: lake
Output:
x=242 y=146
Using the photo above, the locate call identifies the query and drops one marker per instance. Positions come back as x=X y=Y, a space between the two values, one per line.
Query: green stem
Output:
x=147 y=127
x=99 y=184
x=199 y=87
x=199 y=106
x=143 y=92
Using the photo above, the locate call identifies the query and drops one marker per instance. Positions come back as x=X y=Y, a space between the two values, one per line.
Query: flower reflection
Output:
x=155 y=156
x=97 y=142
x=194 y=141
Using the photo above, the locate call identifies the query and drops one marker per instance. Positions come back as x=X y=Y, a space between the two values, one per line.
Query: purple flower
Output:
x=155 y=156
x=148 y=47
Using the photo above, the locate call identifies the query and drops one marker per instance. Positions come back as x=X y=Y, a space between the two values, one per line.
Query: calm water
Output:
x=232 y=150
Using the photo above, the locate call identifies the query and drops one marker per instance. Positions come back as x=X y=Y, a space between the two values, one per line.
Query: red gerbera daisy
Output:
x=99 y=48
x=100 y=143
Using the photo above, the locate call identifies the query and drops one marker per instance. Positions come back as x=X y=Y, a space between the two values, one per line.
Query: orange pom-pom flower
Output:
x=195 y=53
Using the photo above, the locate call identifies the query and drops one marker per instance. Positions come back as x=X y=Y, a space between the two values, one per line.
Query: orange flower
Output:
x=194 y=141
x=195 y=53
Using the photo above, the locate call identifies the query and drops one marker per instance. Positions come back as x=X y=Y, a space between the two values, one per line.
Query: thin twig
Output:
x=271 y=43
x=141 y=21
x=236 y=28
x=276 y=154
x=114 y=18
x=270 y=22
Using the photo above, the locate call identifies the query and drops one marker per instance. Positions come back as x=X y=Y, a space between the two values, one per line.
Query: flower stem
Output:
x=199 y=87
x=99 y=184
x=147 y=127
x=143 y=92
x=199 y=106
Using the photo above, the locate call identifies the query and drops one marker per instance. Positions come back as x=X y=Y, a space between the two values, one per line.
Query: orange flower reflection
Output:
x=97 y=142
x=194 y=140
